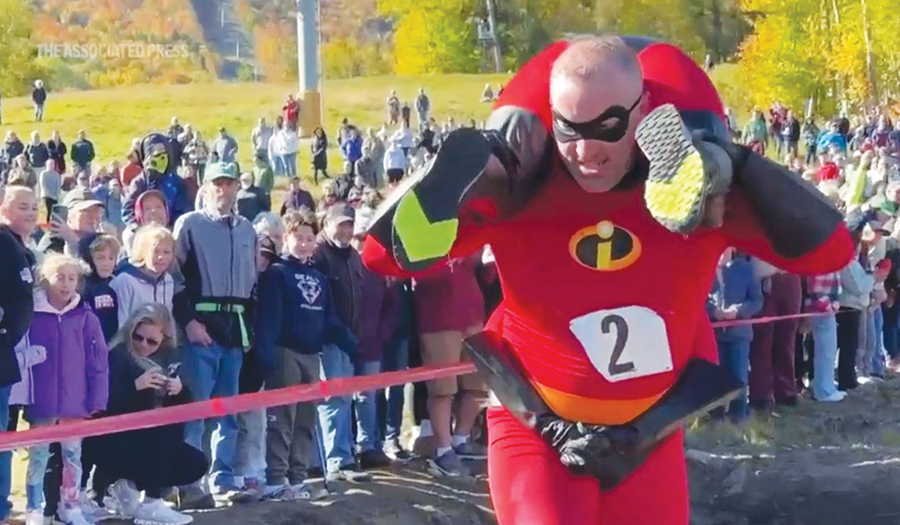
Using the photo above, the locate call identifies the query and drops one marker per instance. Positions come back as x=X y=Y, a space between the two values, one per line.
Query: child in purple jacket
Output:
x=71 y=384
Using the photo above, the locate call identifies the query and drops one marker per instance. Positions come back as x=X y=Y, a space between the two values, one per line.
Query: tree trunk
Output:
x=870 y=55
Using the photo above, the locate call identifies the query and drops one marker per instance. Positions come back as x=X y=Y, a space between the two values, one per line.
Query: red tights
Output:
x=529 y=486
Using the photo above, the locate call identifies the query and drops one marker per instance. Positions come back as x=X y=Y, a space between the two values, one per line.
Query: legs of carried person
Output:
x=529 y=485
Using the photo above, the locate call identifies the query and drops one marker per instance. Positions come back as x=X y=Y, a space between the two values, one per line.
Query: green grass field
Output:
x=113 y=117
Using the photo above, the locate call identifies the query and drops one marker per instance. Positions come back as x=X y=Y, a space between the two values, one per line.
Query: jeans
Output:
x=877 y=339
x=824 y=330
x=250 y=458
x=278 y=165
x=396 y=357
x=38 y=457
x=334 y=412
x=5 y=457
x=290 y=163
x=735 y=357
x=209 y=372
x=367 y=437
x=38 y=112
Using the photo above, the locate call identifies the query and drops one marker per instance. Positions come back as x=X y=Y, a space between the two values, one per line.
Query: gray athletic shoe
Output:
x=448 y=464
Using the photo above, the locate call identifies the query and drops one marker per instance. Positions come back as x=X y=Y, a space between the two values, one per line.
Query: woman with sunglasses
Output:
x=144 y=376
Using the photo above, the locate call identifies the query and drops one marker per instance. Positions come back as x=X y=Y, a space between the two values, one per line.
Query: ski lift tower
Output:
x=487 y=35
x=309 y=66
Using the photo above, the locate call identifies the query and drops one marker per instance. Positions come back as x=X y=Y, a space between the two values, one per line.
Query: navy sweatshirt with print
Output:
x=298 y=313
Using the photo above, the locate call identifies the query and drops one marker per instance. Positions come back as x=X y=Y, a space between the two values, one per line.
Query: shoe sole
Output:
x=677 y=186
x=440 y=187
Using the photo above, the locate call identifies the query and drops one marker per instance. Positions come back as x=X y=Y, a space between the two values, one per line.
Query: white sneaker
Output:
x=93 y=512
x=834 y=398
x=34 y=517
x=864 y=380
x=273 y=491
x=72 y=516
x=157 y=513
x=126 y=498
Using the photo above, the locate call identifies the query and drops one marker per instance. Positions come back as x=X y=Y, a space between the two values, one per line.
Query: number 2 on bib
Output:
x=624 y=343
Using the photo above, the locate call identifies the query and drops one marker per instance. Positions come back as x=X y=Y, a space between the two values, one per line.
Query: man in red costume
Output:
x=606 y=253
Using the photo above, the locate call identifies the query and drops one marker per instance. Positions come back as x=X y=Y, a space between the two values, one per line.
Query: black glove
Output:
x=607 y=453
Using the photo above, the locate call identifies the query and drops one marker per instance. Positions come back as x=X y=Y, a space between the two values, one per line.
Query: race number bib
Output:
x=624 y=343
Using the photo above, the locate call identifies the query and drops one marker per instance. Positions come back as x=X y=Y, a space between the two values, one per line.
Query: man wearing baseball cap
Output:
x=74 y=232
x=336 y=258
x=216 y=249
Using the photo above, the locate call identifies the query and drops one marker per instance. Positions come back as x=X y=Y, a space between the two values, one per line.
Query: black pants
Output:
x=48 y=204
x=316 y=174
x=848 y=343
x=153 y=459
x=891 y=315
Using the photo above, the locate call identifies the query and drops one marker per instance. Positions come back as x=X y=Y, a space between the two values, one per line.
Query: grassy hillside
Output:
x=113 y=117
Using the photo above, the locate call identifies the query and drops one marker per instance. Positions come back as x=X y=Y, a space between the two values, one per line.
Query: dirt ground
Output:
x=816 y=464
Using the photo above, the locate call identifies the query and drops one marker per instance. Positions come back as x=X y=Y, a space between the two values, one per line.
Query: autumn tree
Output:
x=16 y=47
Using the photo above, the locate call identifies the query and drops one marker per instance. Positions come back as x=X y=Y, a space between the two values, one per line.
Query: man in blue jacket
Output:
x=736 y=294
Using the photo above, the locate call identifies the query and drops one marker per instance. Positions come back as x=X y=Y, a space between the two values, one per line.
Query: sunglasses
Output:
x=138 y=338
x=610 y=126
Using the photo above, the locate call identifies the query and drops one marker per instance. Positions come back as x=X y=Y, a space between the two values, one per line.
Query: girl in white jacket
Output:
x=147 y=277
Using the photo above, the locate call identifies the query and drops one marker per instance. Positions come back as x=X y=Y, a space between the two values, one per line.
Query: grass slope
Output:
x=113 y=117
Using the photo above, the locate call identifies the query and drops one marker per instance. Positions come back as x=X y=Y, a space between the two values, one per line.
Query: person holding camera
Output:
x=143 y=375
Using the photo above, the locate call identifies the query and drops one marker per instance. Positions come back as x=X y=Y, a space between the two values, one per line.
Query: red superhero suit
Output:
x=603 y=307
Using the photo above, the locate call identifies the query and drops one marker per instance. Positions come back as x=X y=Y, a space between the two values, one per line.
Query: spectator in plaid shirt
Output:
x=822 y=293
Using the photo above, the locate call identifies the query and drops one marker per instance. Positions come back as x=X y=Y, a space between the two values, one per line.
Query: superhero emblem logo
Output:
x=605 y=247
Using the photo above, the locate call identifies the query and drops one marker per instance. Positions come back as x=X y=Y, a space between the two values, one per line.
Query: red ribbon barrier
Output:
x=225 y=405
x=758 y=320
x=258 y=400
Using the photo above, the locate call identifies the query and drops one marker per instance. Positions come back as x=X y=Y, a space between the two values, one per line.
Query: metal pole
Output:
x=495 y=42
x=222 y=16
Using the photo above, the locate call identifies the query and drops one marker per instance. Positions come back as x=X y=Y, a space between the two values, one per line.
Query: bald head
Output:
x=591 y=58
x=597 y=97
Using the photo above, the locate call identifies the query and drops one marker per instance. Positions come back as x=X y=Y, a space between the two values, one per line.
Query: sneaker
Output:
x=73 y=517
x=298 y=492
x=863 y=380
x=157 y=513
x=193 y=497
x=93 y=512
x=836 y=397
x=126 y=498
x=34 y=517
x=273 y=492
x=393 y=450
x=371 y=459
x=470 y=450
x=448 y=464
x=349 y=473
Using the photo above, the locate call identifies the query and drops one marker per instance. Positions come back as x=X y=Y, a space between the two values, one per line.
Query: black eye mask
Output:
x=610 y=126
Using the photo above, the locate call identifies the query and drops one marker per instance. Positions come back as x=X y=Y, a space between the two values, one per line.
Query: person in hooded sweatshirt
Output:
x=146 y=277
x=159 y=174
x=73 y=382
x=104 y=251
x=150 y=208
